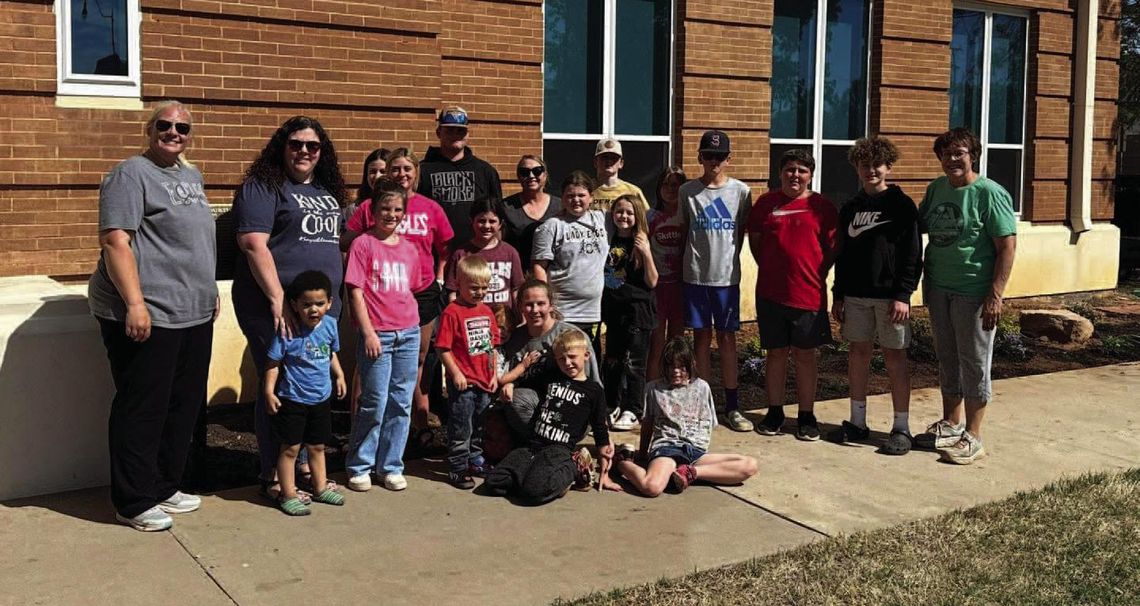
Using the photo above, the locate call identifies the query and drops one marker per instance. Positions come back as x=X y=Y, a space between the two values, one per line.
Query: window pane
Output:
x=793 y=69
x=644 y=161
x=1004 y=166
x=641 y=77
x=837 y=178
x=99 y=37
x=572 y=67
x=966 y=68
x=1007 y=78
x=845 y=70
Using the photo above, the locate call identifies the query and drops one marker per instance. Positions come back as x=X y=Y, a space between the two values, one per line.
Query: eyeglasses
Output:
x=182 y=128
x=534 y=171
x=310 y=146
x=954 y=154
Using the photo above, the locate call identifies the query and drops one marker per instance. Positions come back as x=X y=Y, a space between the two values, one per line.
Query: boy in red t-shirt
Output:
x=466 y=340
x=791 y=232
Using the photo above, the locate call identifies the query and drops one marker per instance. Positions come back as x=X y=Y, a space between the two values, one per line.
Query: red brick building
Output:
x=77 y=77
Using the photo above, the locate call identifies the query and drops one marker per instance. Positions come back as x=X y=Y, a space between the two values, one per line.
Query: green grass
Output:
x=1073 y=542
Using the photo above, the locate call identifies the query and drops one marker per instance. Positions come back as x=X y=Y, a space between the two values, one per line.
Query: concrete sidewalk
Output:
x=434 y=543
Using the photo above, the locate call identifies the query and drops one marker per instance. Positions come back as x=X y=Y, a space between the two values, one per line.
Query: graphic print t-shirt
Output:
x=385 y=273
x=567 y=408
x=666 y=237
x=304 y=222
x=716 y=217
x=306 y=362
x=424 y=225
x=576 y=249
x=680 y=415
x=627 y=299
x=471 y=334
x=506 y=271
x=962 y=222
x=455 y=185
x=173 y=243
x=603 y=196
x=791 y=241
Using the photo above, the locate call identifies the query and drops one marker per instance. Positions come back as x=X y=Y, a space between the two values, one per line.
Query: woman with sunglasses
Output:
x=289 y=219
x=525 y=211
x=155 y=297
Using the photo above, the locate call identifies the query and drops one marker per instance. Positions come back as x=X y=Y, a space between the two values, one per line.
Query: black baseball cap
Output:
x=714 y=142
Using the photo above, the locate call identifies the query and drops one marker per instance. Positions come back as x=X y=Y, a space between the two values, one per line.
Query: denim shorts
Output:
x=685 y=454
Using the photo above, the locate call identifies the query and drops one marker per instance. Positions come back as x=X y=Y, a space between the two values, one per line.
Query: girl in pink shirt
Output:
x=426 y=227
x=383 y=268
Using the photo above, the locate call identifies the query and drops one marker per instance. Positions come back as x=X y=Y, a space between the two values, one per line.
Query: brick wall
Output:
x=375 y=73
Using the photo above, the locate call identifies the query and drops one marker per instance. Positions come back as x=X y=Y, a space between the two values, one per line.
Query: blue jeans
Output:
x=380 y=429
x=468 y=409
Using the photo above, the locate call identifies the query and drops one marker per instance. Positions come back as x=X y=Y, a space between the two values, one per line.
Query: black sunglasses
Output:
x=310 y=146
x=535 y=172
x=182 y=128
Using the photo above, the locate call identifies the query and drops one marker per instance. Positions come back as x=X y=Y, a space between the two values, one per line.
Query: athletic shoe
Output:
x=180 y=502
x=898 y=443
x=848 y=432
x=478 y=468
x=394 y=481
x=583 y=476
x=807 y=428
x=626 y=421
x=966 y=451
x=941 y=434
x=773 y=422
x=361 y=483
x=151 y=520
x=682 y=477
x=461 y=481
x=737 y=421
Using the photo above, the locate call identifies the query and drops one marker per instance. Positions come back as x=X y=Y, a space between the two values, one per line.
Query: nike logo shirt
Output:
x=792 y=241
x=880 y=250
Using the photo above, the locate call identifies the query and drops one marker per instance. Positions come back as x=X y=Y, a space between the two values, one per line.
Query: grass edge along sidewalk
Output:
x=1071 y=542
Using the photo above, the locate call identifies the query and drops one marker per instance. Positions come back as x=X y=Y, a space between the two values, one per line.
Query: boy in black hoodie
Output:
x=452 y=176
x=876 y=271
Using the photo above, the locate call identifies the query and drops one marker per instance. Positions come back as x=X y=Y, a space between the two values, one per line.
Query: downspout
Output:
x=1084 y=94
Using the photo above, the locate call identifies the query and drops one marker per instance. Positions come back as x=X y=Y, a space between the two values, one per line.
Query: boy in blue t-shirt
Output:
x=300 y=404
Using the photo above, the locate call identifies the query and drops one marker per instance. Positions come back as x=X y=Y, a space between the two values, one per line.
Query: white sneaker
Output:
x=151 y=520
x=395 y=481
x=625 y=421
x=180 y=502
x=360 y=483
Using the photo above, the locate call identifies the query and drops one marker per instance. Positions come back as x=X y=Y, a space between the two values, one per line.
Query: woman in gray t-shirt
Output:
x=155 y=297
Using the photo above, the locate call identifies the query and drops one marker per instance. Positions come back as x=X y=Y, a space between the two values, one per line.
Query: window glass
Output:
x=966 y=66
x=1007 y=78
x=1004 y=166
x=644 y=161
x=99 y=37
x=572 y=67
x=793 y=69
x=845 y=70
x=641 y=79
x=838 y=180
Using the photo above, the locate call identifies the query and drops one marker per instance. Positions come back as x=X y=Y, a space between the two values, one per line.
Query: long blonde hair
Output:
x=162 y=106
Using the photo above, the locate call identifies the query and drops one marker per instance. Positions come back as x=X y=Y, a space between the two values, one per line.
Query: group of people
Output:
x=503 y=302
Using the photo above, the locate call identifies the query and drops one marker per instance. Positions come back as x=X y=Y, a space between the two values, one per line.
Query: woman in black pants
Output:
x=155 y=297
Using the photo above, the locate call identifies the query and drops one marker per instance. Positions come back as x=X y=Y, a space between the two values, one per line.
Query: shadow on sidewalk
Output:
x=89 y=504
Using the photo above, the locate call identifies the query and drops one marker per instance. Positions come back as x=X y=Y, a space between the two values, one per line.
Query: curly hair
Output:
x=269 y=167
x=873 y=150
x=364 y=192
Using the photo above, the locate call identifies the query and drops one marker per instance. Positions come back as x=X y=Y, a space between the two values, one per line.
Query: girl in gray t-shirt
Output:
x=570 y=253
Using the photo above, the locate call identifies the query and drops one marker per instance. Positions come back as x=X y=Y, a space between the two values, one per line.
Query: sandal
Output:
x=294 y=507
x=329 y=497
x=305 y=482
x=898 y=443
x=272 y=492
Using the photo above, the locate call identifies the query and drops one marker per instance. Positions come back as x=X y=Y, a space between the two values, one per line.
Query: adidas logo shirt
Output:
x=716 y=217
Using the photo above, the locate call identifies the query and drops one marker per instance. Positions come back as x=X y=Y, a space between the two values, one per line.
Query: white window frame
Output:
x=93 y=85
x=817 y=142
x=984 y=136
x=609 y=74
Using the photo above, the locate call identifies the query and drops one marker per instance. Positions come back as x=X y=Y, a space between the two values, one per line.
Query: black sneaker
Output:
x=772 y=422
x=807 y=428
x=461 y=481
x=848 y=432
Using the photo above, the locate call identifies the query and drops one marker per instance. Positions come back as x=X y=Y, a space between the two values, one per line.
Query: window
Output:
x=608 y=71
x=97 y=47
x=987 y=90
x=820 y=105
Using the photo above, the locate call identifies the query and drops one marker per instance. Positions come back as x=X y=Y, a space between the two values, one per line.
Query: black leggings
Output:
x=627 y=349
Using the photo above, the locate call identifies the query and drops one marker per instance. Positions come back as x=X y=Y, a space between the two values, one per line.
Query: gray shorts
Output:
x=965 y=351
x=864 y=319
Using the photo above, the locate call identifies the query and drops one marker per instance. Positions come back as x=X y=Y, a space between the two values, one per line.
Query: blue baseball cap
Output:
x=453 y=116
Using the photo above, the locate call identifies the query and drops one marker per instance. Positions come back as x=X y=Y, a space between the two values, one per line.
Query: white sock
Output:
x=902 y=422
x=859 y=413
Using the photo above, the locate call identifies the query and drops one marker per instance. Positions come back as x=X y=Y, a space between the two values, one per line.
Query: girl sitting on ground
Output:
x=676 y=428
